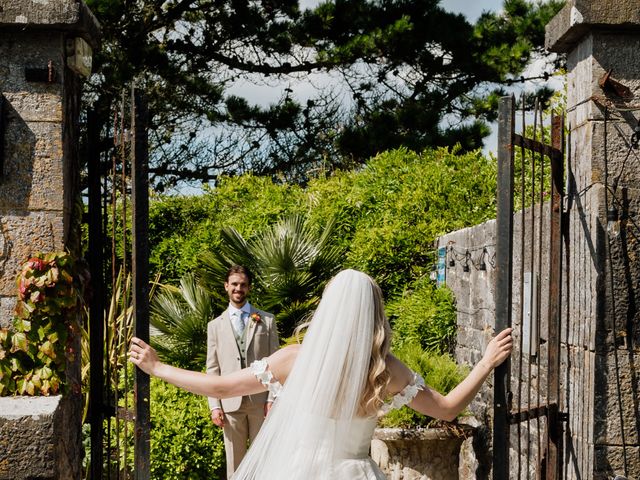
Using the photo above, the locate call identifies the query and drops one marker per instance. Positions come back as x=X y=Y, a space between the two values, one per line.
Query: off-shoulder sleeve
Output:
x=405 y=396
x=260 y=368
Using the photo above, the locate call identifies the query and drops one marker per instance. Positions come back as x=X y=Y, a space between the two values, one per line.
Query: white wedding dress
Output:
x=313 y=431
x=352 y=460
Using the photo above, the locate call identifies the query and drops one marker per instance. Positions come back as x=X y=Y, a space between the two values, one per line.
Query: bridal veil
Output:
x=304 y=435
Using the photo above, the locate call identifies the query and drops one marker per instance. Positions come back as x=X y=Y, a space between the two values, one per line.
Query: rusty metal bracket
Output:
x=536 y=146
x=47 y=74
x=537 y=412
x=608 y=84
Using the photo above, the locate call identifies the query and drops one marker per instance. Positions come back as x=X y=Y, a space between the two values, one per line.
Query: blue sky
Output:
x=470 y=8
x=306 y=86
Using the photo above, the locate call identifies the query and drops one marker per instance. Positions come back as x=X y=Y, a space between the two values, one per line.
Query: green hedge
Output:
x=424 y=315
x=181 y=228
x=185 y=444
x=388 y=213
x=440 y=372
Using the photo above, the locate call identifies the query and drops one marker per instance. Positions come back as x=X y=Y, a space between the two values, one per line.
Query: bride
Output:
x=330 y=389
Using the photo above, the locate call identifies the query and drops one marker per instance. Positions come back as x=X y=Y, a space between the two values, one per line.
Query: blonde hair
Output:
x=375 y=388
x=378 y=377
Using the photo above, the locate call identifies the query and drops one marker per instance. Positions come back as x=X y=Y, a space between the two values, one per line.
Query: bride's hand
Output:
x=143 y=356
x=499 y=348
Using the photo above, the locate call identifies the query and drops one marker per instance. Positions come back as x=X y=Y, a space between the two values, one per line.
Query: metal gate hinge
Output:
x=608 y=84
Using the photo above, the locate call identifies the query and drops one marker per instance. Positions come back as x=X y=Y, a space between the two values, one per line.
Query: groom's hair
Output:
x=241 y=270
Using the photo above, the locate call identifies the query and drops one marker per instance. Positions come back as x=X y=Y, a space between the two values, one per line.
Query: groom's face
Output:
x=237 y=287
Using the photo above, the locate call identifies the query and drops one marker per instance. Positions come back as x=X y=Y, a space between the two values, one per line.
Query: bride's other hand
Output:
x=499 y=348
x=143 y=356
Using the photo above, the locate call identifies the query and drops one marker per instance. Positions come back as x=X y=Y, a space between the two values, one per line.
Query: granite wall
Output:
x=41 y=62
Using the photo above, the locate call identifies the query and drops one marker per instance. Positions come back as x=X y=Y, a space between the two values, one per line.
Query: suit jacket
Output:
x=223 y=356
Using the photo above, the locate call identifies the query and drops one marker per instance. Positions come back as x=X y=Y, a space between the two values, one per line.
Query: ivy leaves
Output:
x=34 y=352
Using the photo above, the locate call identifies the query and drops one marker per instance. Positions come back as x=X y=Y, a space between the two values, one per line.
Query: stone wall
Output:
x=31 y=199
x=36 y=441
x=40 y=205
x=475 y=294
x=39 y=181
x=600 y=39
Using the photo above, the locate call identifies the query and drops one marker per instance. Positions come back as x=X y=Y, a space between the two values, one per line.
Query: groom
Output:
x=236 y=338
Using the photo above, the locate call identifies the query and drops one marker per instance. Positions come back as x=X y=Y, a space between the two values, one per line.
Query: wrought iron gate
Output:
x=118 y=259
x=528 y=422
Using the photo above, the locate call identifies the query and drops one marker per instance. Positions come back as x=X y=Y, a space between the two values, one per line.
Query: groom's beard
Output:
x=238 y=297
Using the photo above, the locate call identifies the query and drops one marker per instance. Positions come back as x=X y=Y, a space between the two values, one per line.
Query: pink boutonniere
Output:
x=256 y=318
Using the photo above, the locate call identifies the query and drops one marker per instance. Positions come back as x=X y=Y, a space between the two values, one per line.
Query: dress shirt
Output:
x=245 y=309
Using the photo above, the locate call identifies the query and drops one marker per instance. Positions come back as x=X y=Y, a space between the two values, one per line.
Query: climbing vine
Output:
x=35 y=351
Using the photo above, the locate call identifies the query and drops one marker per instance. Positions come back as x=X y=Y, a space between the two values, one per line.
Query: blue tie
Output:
x=238 y=322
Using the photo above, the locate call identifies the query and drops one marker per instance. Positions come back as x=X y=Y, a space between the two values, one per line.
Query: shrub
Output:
x=386 y=217
x=185 y=445
x=387 y=214
x=426 y=315
x=400 y=202
x=440 y=372
x=182 y=228
x=184 y=442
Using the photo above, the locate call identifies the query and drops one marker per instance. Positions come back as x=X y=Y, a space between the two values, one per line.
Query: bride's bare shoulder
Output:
x=281 y=362
x=288 y=351
x=399 y=374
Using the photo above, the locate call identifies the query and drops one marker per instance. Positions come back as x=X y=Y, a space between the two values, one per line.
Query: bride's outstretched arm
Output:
x=447 y=407
x=236 y=384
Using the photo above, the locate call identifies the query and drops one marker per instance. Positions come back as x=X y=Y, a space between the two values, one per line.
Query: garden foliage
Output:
x=386 y=214
x=440 y=372
x=34 y=352
x=385 y=218
x=185 y=444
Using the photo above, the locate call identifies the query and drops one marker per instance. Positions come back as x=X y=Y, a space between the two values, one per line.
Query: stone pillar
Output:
x=45 y=51
x=601 y=39
x=39 y=173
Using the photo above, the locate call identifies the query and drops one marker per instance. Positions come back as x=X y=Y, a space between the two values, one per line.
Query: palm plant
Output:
x=291 y=262
x=180 y=316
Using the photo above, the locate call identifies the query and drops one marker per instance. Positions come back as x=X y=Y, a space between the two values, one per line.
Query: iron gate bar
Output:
x=140 y=272
x=504 y=250
x=114 y=281
x=504 y=417
x=96 y=307
x=554 y=446
x=538 y=290
x=533 y=282
x=529 y=413
x=2 y=122
x=536 y=146
x=520 y=317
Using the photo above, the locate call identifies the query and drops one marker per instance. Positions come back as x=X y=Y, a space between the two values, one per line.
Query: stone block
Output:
x=610 y=462
x=579 y=17
x=22 y=236
x=33 y=50
x=33 y=175
x=40 y=438
x=69 y=15
x=7 y=308
x=43 y=106
x=424 y=454
x=616 y=392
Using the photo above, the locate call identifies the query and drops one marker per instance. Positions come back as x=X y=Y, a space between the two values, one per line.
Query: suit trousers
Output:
x=240 y=429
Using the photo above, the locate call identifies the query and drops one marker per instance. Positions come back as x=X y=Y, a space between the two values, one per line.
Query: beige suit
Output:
x=243 y=415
